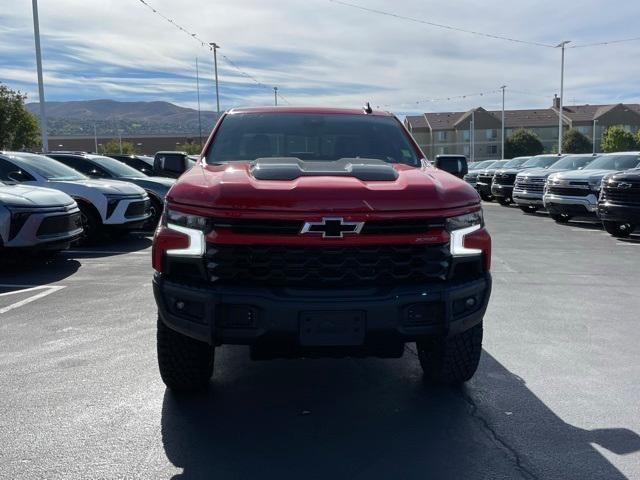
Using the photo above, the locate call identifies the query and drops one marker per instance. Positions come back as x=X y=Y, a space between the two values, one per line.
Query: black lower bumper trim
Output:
x=619 y=213
x=245 y=316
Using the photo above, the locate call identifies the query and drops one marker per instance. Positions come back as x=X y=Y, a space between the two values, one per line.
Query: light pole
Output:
x=595 y=120
x=215 y=47
x=561 y=45
x=502 y=134
x=275 y=95
x=198 y=91
x=95 y=137
x=472 y=135
x=43 y=115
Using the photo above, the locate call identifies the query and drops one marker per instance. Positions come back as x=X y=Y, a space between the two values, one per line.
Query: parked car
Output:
x=474 y=169
x=342 y=244
x=619 y=203
x=37 y=218
x=504 y=179
x=142 y=163
x=575 y=193
x=105 y=205
x=101 y=167
x=485 y=178
x=529 y=186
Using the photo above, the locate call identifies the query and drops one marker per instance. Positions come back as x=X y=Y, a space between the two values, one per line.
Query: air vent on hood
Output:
x=287 y=168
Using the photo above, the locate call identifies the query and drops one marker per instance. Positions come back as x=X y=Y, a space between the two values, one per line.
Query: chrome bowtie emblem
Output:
x=332 y=227
x=624 y=185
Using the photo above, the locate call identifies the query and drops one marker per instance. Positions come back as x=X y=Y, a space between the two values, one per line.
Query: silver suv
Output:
x=529 y=187
x=39 y=218
x=575 y=193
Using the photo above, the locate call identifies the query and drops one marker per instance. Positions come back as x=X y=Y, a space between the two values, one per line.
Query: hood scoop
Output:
x=287 y=168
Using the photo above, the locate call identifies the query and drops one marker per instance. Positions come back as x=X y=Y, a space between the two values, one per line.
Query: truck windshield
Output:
x=319 y=137
x=542 y=161
x=572 y=162
x=515 y=162
x=614 y=162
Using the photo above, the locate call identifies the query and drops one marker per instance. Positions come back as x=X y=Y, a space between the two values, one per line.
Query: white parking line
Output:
x=45 y=290
x=146 y=251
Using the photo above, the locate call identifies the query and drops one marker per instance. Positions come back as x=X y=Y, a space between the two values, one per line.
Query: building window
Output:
x=442 y=136
x=466 y=150
x=492 y=149
x=466 y=135
x=491 y=134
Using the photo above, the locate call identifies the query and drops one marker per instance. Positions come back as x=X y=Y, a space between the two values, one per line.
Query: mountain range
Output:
x=111 y=117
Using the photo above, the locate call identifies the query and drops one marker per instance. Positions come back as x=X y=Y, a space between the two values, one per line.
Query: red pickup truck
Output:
x=314 y=232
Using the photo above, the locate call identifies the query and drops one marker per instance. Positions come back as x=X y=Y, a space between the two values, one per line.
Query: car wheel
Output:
x=485 y=197
x=156 y=213
x=505 y=202
x=91 y=225
x=560 y=217
x=451 y=360
x=184 y=363
x=529 y=208
x=618 y=229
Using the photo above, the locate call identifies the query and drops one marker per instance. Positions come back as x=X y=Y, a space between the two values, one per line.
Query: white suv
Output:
x=103 y=203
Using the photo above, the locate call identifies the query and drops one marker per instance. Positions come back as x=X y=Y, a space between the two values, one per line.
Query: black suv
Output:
x=505 y=178
x=619 y=203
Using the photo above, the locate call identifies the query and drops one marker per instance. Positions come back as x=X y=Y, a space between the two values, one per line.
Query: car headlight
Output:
x=17 y=220
x=461 y=226
x=594 y=184
x=186 y=220
x=191 y=226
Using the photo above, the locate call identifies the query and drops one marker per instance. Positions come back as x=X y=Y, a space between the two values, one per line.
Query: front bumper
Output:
x=522 y=197
x=120 y=218
x=618 y=213
x=32 y=236
x=575 y=206
x=483 y=188
x=244 y=316
x=501 y=191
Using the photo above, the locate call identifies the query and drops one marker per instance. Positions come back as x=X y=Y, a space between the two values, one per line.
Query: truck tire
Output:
x=618 y=229
x=185 y=364
x=560 y=217
x=504 y=201
x=486 y=198
x=451 y=360
x=529 y=208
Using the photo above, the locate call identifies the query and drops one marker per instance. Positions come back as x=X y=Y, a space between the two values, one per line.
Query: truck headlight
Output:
x=180 y=235
x=459 y=228
x=595 y=184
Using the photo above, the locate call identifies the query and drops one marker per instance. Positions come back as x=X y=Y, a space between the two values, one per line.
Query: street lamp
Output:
x=275 y=95
x=502 y=88
x=562 y=46
x=43 y=114
x=215 y=47
x=595 y=120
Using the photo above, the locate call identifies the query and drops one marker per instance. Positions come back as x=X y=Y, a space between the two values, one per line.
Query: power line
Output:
x=440 y=25
x=441 y=99
x=610 y=42
x=206 y=45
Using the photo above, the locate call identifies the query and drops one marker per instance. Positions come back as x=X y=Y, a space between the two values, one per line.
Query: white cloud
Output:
x=319 y=52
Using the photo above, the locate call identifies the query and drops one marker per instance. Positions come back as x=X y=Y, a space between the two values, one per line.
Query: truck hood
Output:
x=232 y=186
x=581 y=174
x=627 y=175
x=539 y=172
x=29 y=197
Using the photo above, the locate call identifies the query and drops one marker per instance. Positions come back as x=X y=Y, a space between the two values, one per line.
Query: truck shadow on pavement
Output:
x=319 y=419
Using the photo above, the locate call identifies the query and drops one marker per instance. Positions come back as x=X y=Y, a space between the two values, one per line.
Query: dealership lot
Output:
x=556 y=395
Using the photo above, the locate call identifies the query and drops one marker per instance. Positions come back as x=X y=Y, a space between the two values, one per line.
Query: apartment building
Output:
x=454 y=132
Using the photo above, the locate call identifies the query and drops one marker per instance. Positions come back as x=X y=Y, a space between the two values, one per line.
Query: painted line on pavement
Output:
x=44 y=291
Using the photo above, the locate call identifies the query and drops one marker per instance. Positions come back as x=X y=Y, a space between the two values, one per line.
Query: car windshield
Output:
x=319 y=137
x=615 y=162
x=479 y=165
x=515 y=162
x=499 y=164
x=572 y=162
x=116 y=168
x=46 y=167
x=542 y=161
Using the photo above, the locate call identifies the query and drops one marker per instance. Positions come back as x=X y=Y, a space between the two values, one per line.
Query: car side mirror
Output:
x=18 y=176
x=170 y=164
x=456 y=166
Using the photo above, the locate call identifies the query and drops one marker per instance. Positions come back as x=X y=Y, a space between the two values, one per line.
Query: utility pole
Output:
x=215 y=47
x=198 y=90
x=43 y=114
x=275 y=95
x=562 y=46
x=595 y=120
x=472 y=135
x=502 y=135
x=95 y=137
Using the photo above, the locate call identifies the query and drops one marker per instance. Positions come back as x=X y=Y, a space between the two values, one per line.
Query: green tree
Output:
x=638 y=138
x=617 y=139
x=575 y=142
x=113 y=146
x=19 y=129
x=522 y=143
x=192 y=148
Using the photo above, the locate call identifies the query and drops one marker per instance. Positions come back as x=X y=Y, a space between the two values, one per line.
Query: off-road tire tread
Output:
x=451 y=360
x=185 y=364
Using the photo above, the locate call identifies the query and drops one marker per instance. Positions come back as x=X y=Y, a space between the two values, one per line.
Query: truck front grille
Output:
x=568 y=191
x=318 y=267
x=504 y=179
x=485 y=178
x=620 y=196
x=533 y=185
x=59 y=224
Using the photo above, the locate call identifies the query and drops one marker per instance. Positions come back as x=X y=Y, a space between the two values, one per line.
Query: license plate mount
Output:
x=332 y=328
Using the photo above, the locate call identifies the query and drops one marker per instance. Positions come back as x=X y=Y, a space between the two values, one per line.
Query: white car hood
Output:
x=112 y=187
x=28 y=196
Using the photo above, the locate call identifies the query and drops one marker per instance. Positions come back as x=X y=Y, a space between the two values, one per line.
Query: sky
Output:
x=322 y=52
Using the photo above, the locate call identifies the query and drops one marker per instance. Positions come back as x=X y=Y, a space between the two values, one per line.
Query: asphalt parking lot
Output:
x=556 y=397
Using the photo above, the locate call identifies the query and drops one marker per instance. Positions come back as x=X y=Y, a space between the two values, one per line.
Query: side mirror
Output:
x=457 y=166
x=171 y=164
x=18 y=176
